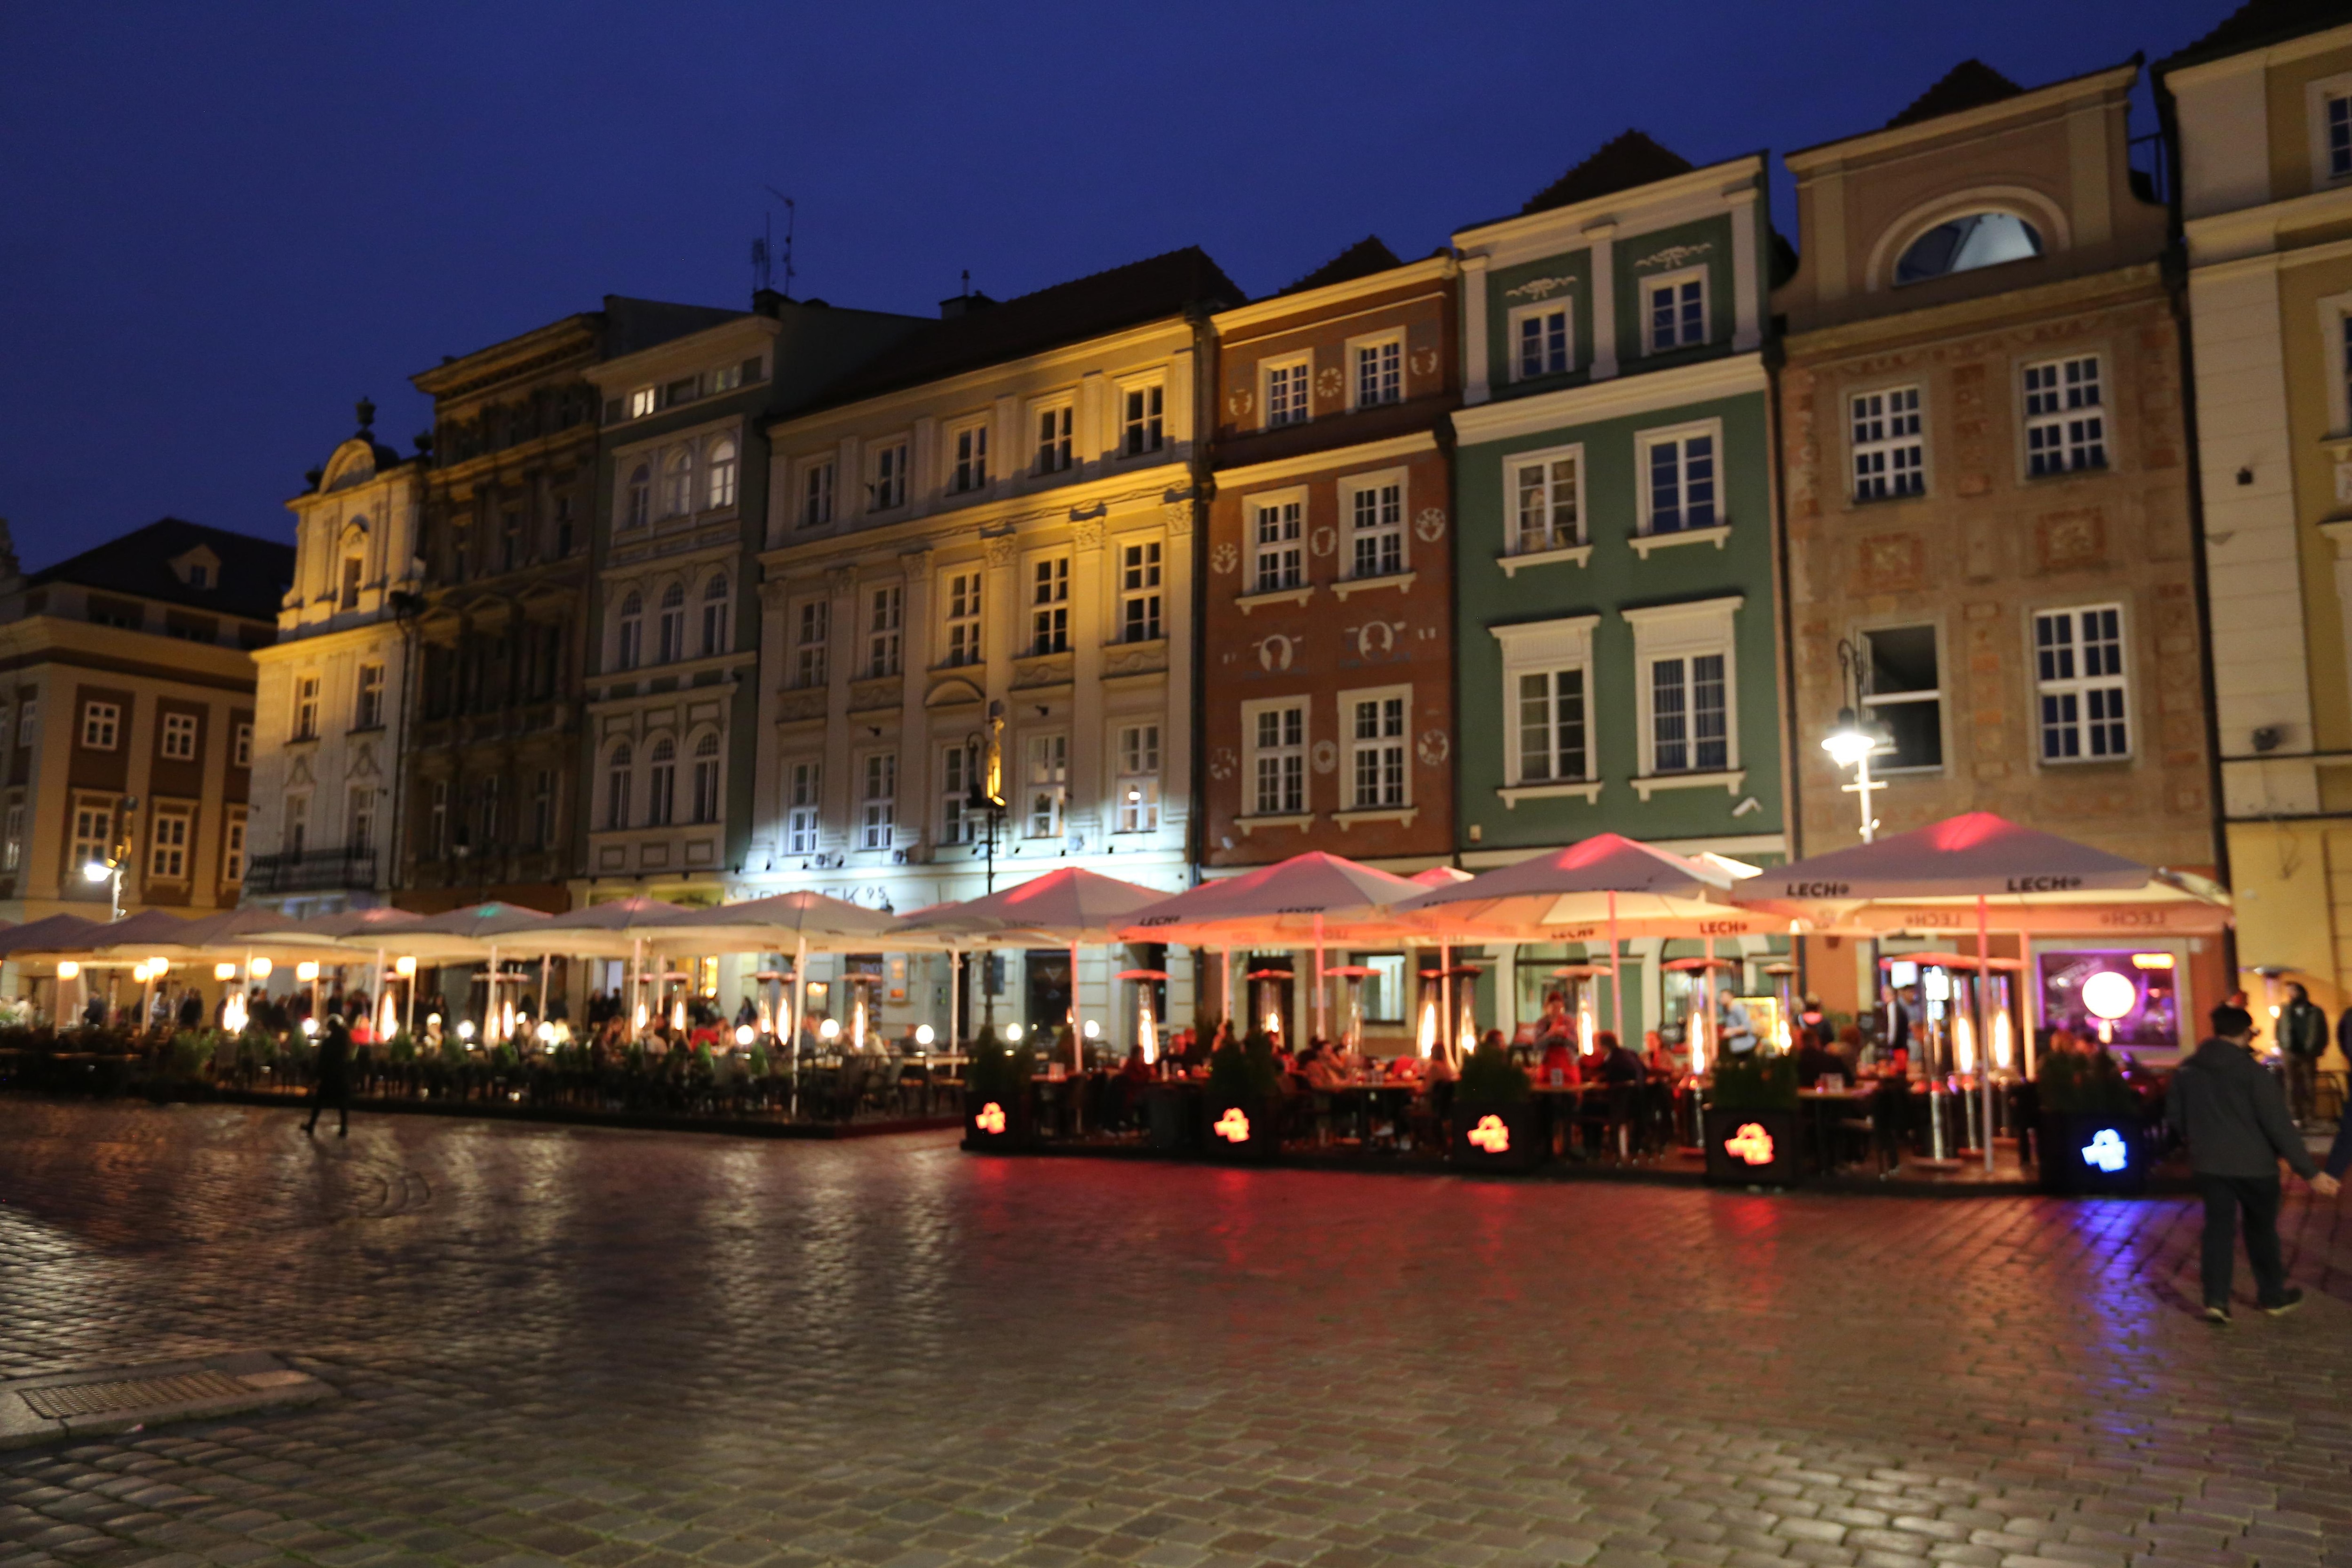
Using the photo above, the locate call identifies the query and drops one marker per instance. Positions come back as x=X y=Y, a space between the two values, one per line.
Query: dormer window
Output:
x=1965 y=244
x=197 y=577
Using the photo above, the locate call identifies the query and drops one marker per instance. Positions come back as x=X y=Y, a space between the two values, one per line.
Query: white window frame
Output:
x=1052 y=431
x=1553 y=544
x=1141 y=586
x=232 y=838
x=1045 y=781
x=2319 y=97
x=367 y=695
x=1686 y=631
x=12 y=839
x=886 y=474
x=2109 y=689
x=643 y=401
x=1883 y=424
x=669 y=624
x=629 y=629
x=963 y=457
x=1647 y=441
x=675 y=480
x=1394 y=705
x=2060 y=410
x=171 y=843
x=1292 y=542
x=358 y=819
x=294 y=833
x=1352 y=488
x=91 y=839
x=1143 y=435
x=101 y=726
x=1676 y=280
x=636 y=508
x=1287 y=365
x=717 y=610
x=1373 y=343
x=1136 y=755
x=709 y=779
x=240 y=751
x=1882 y=763
x=620 y=782
x=542 y=809
x=804 y=804
x=306 y=706
x=661 y=781
x=963 y=592
x=1047 y=577
x=1548 y=647
x=958 y=766
x=723 y=468
x=1514 y=325
x=812 y=631
x=819 y=478
x=886 y=622
x=175 y=739
x=877 y=800
x=1300 y=751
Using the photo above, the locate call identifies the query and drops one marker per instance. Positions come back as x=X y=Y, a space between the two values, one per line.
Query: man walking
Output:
x=2303 y=1036
x=332 y=1084
x=2229 y=1108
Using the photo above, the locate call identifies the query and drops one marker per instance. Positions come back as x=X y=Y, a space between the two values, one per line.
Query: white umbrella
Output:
x=784 y=923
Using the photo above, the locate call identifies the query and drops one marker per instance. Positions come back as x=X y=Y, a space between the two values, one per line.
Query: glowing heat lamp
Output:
x=1428 y=1041
x=233 y=1014
x=307 y=970
x=1702 y=1050
x=405 y=966
x=224 y=971
x=2108 y=996
x=641 y=1015
x=858 y=1025
x=1466 y=1027
x=159 y=967
x=1274 y=1023
x=1963 y=1044
x=2001 y=1044
x=505 y=1020
x=387 y=1018
x=259 y=968
x=1147 y=1033
x=68 y=969
x=744 y=1034
x=677 y=1015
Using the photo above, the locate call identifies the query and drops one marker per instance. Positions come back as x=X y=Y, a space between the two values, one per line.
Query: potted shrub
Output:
x=1244 y=1101
x=1494 y=1125
x=2091 y=1135
x=997 y=1095
x=1750 y=1122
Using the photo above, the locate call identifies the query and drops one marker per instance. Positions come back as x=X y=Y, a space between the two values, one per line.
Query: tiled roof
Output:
x=254 y=575
x=1622 y=162
x=1362 y=259
x=2260 y=22
x=1068 y=312
x=1971 y=84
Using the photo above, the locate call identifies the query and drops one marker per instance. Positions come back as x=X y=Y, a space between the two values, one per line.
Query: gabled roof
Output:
x=1362 y=259
x=1625 y=161
x=254 y=575
x=2259 y=23
x=1111 y=301
x=1971 y=84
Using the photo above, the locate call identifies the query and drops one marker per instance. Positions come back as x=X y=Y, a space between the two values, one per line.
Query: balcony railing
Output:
x=310 y=870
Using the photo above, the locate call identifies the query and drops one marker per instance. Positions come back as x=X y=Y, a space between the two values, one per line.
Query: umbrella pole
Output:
x=1322 y=1031
x=955 y=994
x=1446 y=1022
x=800 y=1005
x=490 y=1034
x=1077 y=1036
x=1616 y=987
x=1984 y=1038
x=544 y=962
x=629 y=1003
x=1233 y=1021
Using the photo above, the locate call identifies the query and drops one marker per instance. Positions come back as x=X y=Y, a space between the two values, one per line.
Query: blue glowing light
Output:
x=2107 y=1150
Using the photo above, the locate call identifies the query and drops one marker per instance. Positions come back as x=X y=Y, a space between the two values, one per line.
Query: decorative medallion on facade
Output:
x=1238 y=402
x=1675 y=255
x=1225 y=559
x=1434 y=748
x=1376 y=639
x=1324 y=541
x=1428 y=524
x=1424 y=362
x=1325 y=756
x=1328 y=383
x=1001 y=550
x=1222 y=762
x=1538 y=288
x=1178 y=515
x=1276 y=653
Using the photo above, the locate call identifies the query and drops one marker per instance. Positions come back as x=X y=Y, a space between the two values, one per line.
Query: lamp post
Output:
x=984 y=793
x=1855 y=740
x=118 y=857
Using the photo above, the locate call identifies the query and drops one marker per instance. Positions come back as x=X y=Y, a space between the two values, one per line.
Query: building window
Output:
x=633 y=631
x=1280 y=554
x=1548 y=490
x=661 y=784
x=1053 y=425
x=809 y=643
x=638 y=509
x=641 y=402
x=883 y=613
x=1380 y=372
x=2080 y=680
x=1047 y=784
x=240 y=751
x=305 y=708
x=878 y=812
x=816 y=494
x=1889 y=453
x=542 y=808
x=1549 y=712
x=102 y=723
x=714 y=616
x=359 y=820
x=706 y=778
x=678 y=483
x=178 y=740
x=1378 y=724
x=1287 y=390
x=198 y=576
x=2066 y=425
x=671 y=624
x=167 y=853
x=963 y=617
x=1681 y=491
x=1904 y=695
x=1375 y=527
x=2339 y=137
x=889 y=487
x=1687 y=713
x=348 y=598
x=1049 y=606
x=1674 y=308
x=1143 y=421
x=957 y=768
x=233 y=848
x=28 y=723
x=1139 y=592
x=801 y=781
x=487 y=822
x=509 y=553
x=968 y=444
x=722 y=471
x=436 y=819
x=294 y=839
x=1541 y=343
x=1139 y=778
x=563 y=526
x=1277 y=736
x=93 y=832
x=12 y=839
x=367 y=701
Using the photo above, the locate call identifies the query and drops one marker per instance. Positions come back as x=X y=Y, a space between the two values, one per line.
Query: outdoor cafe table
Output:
x=1819 y=1104
x=1367 y=1095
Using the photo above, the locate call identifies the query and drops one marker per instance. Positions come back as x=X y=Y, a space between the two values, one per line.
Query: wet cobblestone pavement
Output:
x=652 y=1351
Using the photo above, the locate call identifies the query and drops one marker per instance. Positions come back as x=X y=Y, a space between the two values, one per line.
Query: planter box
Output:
x=1171 y=1118
x=2091 y=1154
x=1249 y=1134
x=1752 y=1148
x=995 y=1126
x=1496 y=1138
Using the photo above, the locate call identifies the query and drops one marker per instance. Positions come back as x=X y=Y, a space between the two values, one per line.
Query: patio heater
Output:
x=1265 y=1000
x=1352 y=1017
x=1147 y=1028
x=1583 y=1004
x=69 y=970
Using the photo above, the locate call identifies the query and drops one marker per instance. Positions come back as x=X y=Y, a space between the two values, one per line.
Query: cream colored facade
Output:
x=2265 y=138
x=333 y=692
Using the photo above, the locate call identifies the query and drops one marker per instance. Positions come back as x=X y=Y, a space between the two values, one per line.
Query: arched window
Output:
x=616 y=786
x=722 y=471
x=633 y=631
x=678 y=484
x=673 y=623
x=706 y=777
x=714 y=616
x=1965 y=244
x=661 y=784
x=639 y=507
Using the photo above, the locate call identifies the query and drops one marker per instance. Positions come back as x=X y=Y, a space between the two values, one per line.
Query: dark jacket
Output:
x=2302 y=1029
x=2234 y=1115
x=334 y=1067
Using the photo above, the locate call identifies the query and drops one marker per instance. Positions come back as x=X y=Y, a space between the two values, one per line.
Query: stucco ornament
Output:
x=1428 y=524
x=2344 y=482
x=1377 y=639
x=1276 y=652
x=1328 y=383
x=1225 y=559
x=1424 y=362
x=1238 y=402
x=1539 y=288
x=1326 y=756
x=1434 y=748
x=1324 y=541
x=1223 y=763
x=1674 y=255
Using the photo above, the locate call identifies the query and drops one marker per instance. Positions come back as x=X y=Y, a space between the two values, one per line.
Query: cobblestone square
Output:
x=643 y=1351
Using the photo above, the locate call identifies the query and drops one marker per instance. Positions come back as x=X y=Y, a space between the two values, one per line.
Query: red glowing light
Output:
x=1491 y=1135
x=991 y=1118
x=1751 y=1143
x=1233 y=1126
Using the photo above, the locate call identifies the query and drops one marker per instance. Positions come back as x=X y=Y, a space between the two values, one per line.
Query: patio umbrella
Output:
x=1936 y=876
x=616 y=927
x=786 y=922
x=50 y=933
x=460 y=934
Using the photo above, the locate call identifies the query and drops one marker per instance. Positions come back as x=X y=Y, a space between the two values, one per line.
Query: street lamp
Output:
x=118 y=857
x=983 y=774
x=1855 y=740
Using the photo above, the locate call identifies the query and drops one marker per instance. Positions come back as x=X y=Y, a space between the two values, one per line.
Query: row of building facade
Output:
x=2034 y=448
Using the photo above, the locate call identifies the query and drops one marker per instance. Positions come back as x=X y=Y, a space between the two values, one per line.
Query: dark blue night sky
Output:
x=223 y=223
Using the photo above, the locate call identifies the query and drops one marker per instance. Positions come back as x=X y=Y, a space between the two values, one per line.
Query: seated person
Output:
x=1613 y=1063
x=1813 y=1059
x=1134 y=1069
x=1322 y=1072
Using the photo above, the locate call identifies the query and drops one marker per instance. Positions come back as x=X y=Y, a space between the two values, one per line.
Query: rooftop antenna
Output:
x=762 y=276
x=792 y=215
x=967 y=282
